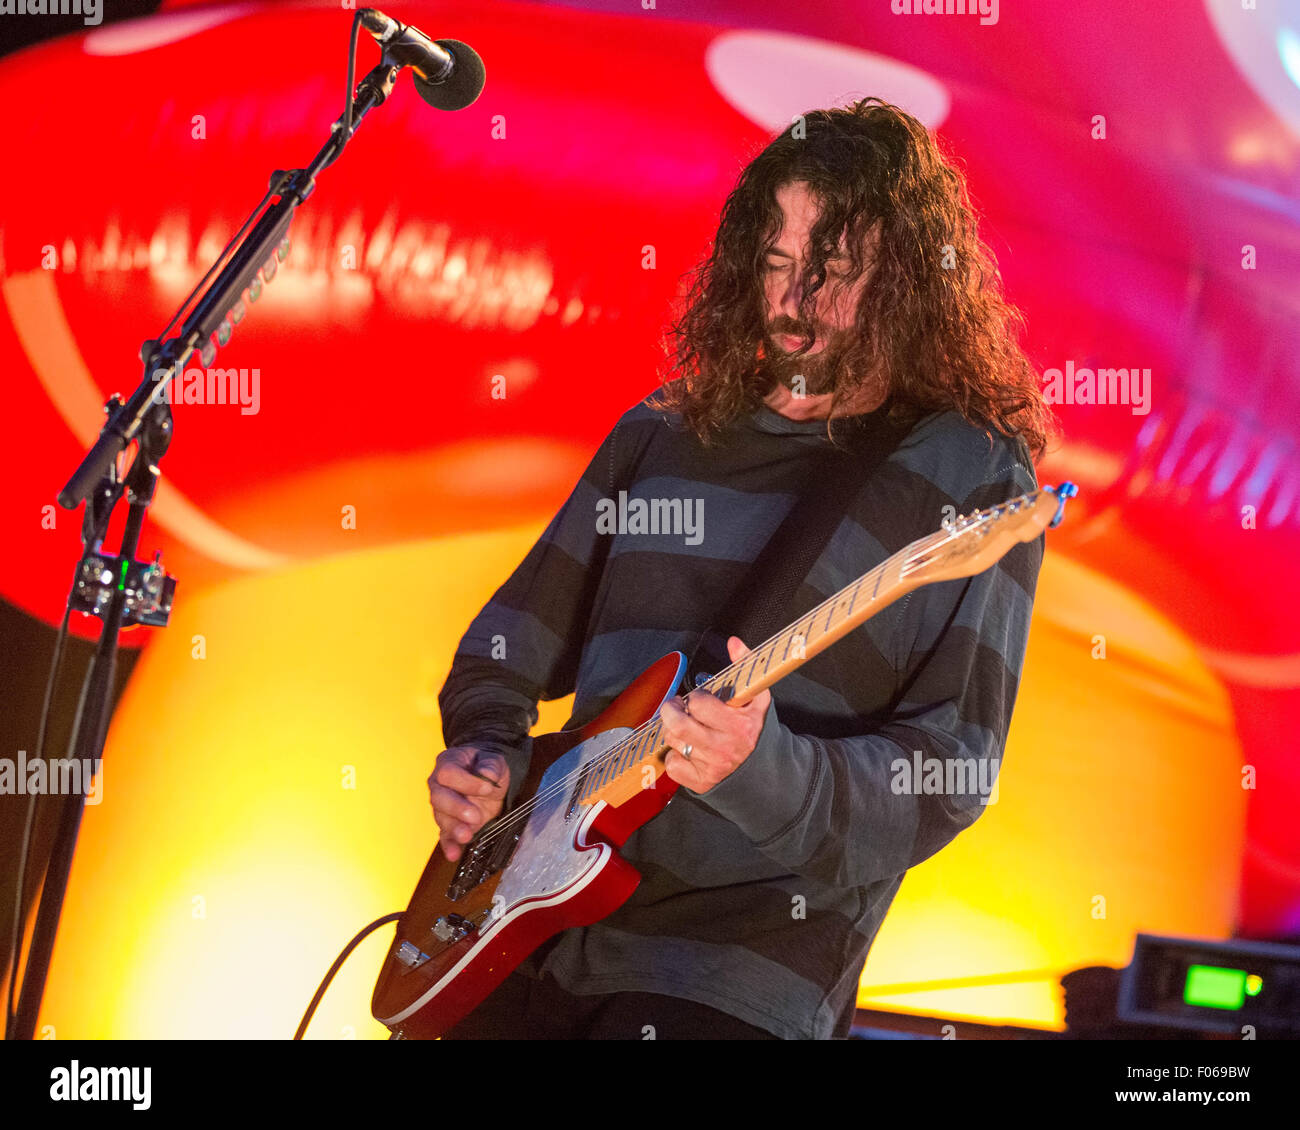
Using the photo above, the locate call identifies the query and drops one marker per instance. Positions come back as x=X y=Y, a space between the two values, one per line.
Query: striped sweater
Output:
x=762 y=896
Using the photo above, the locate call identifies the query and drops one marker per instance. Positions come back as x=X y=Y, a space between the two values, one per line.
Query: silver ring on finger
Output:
x=686 y=751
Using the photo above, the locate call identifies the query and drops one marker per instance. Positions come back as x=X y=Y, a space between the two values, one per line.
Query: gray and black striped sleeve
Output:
x=525 y=644
x=846 y=811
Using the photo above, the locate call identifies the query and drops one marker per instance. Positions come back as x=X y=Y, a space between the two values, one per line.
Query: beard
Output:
x=839 y=367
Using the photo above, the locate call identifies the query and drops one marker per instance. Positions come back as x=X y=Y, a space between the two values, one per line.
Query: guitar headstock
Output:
x=976 y=541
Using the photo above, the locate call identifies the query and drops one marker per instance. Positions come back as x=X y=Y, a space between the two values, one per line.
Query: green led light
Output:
x=1209 y=986
x=121 y=585
x=1254 y=982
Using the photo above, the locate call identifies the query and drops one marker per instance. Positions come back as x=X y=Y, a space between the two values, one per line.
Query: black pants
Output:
x=523 y=1008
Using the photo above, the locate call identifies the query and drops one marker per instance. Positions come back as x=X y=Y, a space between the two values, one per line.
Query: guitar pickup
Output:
x=505 y=848
x=488 y=852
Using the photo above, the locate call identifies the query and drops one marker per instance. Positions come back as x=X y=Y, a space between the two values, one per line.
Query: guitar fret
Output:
x=638 y=751
x=635 y=751
x=602 y=773
x=654 y=741
x=621 y=761
x=854 y=596
x=645 y=747
x=802 y=637
x=615 y=758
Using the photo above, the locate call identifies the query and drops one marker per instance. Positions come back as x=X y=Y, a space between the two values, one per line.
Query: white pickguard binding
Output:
x=552 y=862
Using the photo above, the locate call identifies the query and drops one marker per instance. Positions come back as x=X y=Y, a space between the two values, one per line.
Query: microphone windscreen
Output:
x=462 y=87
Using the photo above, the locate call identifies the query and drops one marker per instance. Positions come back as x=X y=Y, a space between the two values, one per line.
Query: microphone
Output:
x=448 y=74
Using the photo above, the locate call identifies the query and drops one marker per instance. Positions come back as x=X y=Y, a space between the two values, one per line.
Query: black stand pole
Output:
x=146 y=418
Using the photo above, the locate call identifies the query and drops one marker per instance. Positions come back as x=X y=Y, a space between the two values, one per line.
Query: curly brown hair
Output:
x=933 y=324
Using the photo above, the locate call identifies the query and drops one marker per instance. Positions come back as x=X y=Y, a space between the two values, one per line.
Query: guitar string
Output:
x=561 y=785
x=917 y=549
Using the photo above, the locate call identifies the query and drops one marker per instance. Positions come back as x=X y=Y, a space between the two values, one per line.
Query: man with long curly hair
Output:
x=848 y=305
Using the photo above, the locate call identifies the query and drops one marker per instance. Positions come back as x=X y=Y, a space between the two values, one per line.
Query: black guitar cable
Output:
x=16 y=967
x=338 y=964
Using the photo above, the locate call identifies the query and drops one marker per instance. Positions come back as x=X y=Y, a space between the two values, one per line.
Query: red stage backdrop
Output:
x=471 y=299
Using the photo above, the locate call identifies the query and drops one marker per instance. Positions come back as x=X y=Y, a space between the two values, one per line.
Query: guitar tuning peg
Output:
x=1064 y=492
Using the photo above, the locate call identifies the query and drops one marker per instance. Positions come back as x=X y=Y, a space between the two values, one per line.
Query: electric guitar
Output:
x=551 y=862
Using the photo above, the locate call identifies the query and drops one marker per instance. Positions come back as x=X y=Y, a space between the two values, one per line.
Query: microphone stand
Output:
x=117 y=588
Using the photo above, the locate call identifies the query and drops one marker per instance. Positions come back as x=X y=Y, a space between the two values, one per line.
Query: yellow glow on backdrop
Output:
x=1119 y=809
x=264 y=802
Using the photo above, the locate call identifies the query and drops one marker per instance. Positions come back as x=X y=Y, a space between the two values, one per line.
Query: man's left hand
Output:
x=719 y=737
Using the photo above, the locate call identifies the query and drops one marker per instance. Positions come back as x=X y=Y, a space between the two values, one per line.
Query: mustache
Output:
x=788 y=328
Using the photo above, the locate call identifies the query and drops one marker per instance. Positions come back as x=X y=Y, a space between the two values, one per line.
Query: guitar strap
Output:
x=763 y=603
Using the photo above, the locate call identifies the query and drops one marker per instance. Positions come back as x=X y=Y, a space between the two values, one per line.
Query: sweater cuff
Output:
x=516 y=758
x=768 y=791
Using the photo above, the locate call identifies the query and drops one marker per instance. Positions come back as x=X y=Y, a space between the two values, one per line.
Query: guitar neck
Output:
x=965 y=546
x=627 y=766
x=775 y=658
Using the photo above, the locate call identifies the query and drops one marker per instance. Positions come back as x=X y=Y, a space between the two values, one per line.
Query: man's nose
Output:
x=793 y=293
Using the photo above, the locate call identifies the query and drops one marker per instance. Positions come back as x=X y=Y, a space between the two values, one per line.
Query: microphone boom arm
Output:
x=146 y=417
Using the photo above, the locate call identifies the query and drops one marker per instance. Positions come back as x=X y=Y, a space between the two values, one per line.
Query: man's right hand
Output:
x=463 y=803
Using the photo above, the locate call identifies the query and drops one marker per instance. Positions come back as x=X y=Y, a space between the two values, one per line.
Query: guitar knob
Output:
x=451 y=928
